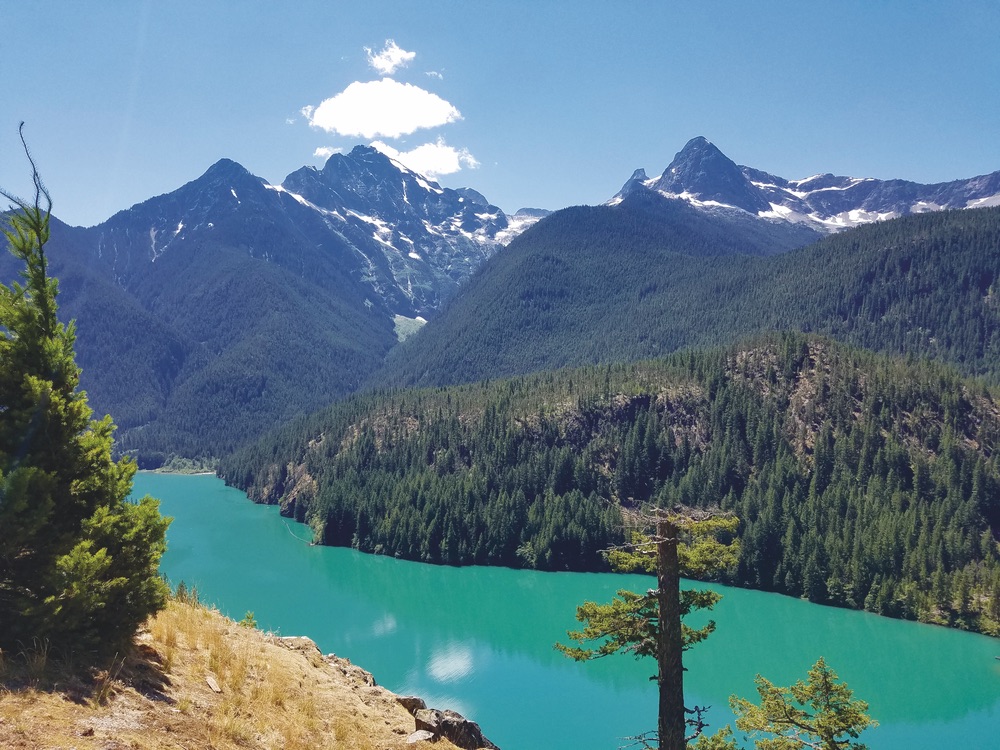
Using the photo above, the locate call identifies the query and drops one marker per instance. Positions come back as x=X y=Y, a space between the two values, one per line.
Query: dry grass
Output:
x=273 y=695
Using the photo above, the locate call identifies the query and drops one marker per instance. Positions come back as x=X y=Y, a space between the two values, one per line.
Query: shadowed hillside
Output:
x=578 y=289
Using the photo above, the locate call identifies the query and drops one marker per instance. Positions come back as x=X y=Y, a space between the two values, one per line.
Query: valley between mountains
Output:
x=412 y=371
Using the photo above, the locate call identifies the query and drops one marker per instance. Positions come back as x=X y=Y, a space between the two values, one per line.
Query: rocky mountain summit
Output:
x=706 y=178
x=416 y=240
x=406 y=241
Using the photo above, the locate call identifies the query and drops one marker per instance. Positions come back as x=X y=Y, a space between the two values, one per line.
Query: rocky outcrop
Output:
x=411 y=703
x=431 y=723
x=453 y=727
x=305 y=646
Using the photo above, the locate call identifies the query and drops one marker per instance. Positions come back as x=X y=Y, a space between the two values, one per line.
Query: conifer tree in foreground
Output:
x=78 y=561
x=685 y=542
x=818 y=714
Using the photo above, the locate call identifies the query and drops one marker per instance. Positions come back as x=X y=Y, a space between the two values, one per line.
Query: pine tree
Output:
x=819 y=713
x=651 y=624
x=78 y=561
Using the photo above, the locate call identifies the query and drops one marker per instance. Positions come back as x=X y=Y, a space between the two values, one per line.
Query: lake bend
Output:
x=480 y=640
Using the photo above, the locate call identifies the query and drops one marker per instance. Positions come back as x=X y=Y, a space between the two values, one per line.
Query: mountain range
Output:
x=409 y=241
x=210 y=314
x=703 y=176
x=609 y=284
x=701 y=256
x=259 y=329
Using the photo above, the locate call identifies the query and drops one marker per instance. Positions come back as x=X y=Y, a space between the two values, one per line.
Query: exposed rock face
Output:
x=702 y=171
x=453 y=727
x=305 y=646
x=415 y=240
x=411 y=703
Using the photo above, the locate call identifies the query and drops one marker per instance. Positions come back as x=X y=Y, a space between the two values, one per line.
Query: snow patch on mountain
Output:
x=694 y=200
x=521 y=220
x=308 y=204
x=986 y=202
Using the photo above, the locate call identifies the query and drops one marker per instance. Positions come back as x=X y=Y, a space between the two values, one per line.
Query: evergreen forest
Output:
x=860 y=480
x=608 y=284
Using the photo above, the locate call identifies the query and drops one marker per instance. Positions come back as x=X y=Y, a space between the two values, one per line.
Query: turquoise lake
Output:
x=479 y=640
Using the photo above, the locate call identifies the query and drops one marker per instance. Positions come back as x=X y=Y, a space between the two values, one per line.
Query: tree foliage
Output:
x=860 y=480
x=820 y=713
x=651 y=624
x=78 y=561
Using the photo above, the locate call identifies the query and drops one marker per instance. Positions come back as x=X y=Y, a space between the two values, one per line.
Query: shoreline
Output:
x=174 y=472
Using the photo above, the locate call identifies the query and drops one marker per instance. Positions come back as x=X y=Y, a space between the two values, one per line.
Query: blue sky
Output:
x=532 y=103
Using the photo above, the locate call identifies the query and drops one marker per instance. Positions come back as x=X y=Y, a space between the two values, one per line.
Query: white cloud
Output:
x=430 y=159
x=390 y=59
x=384 y=108
x=434 y=74
x=325 y=152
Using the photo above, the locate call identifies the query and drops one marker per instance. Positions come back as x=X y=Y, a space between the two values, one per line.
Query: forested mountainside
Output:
x=583 y=287
x=215 y=349
x=209 y=314
x=860 y=480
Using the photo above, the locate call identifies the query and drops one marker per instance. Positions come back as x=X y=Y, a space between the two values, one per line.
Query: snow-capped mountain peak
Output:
x=704 y=177
x=408 y=239
x=700 y=172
